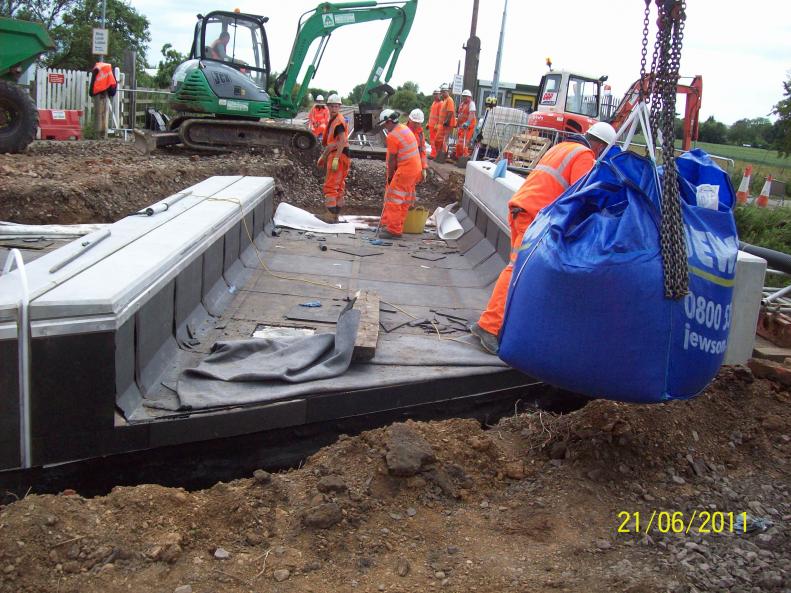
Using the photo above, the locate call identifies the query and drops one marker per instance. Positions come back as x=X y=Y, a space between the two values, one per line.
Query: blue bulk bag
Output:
x=586 y=309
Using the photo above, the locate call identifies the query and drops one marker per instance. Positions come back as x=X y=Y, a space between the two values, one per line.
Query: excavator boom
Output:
x=319 y=24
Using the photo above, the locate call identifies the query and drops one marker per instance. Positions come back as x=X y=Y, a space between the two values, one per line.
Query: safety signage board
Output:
x=458 y=83
x=55 y=78
x=101 y=39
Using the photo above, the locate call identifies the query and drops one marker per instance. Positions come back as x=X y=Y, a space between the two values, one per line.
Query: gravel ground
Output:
x=532 y=504
x=89 y=181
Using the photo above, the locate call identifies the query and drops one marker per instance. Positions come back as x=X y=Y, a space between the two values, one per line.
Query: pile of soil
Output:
x=91 y=181
x=530 y=504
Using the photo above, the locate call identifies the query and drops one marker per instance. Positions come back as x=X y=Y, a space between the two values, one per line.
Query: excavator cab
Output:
x=568 y=101
x=234 y=39
x=228 y=70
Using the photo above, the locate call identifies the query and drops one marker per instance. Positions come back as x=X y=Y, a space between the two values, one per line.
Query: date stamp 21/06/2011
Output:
x=701 y=522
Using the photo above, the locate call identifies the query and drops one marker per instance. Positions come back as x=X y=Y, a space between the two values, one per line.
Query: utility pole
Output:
x=496 y=78
x=472 y=51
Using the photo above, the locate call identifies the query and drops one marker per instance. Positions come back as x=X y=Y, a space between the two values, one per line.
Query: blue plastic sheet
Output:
x=586 y=309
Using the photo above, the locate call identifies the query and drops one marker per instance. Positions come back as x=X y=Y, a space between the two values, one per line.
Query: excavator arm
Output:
x=319 y=24
x=693 y=92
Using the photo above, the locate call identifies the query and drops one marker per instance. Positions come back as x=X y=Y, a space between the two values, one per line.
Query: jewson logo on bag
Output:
x=710 y=256
x=708 y=316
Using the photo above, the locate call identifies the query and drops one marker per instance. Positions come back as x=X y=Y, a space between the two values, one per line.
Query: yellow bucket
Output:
x=415 y=220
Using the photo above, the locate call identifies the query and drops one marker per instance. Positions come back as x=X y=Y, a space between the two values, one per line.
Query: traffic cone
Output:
x=763 y=198
x=744 y=186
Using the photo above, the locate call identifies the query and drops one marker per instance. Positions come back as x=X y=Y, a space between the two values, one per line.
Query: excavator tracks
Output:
x=215 y=135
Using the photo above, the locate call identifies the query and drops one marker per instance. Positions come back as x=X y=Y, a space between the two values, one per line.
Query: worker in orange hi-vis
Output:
x=433 y=118
x=318 y=116
x=465 y=124
x=445 y=125
x=415 y=123
x=335 y=159
x=404 y=171
x=562 y=166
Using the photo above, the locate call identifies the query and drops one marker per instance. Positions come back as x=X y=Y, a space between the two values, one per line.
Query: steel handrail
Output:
x=23 y=358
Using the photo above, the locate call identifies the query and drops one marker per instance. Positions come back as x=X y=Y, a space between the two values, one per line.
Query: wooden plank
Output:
x=367 y=303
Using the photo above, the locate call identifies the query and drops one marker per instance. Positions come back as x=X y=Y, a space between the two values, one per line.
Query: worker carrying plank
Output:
x=445 y=125
x=404 y=171
x=560 y=168
x=466 y=121
x=335 y=159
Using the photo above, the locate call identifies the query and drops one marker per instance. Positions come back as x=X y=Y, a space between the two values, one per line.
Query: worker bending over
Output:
x=404 y=171
x=562 y=166
x=415 y=123
x=446 y=123
x=465 y=121
x=318 y=117
x=433 y=118
x=336 y=159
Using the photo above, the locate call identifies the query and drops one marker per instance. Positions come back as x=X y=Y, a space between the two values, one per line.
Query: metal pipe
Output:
x=776 y=295
x=776 y=259
x=86 y=245
x=164 y=204
x=496 y=78
x=23 y=358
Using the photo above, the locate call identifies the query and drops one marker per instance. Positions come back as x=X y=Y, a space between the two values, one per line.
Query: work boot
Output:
x=328 y=217
x=385 y=234
x=489 y=341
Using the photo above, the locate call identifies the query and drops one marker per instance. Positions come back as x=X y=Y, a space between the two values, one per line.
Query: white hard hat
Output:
x=389 y=115
x=320 y=99
x=443 y=87
x=333 y=99
x=466 y=93
x=436 y=92
x=602 y=131
x=416 y=115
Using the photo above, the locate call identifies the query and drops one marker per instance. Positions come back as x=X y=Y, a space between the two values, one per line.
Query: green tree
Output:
x=781 y=131
x=128 y=30
x=357 y=92
x=166 y=67
x=713 y=131
x=404 y=100
x=44 y=11
x=750 y=131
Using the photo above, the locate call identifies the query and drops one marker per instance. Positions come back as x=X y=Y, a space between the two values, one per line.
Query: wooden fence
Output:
x=68 y=89
x=64 y=89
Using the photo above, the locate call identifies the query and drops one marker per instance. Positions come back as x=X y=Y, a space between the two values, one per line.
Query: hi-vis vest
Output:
x=402 y=142
x=102 y=79
x=433 y=115
x=464 y=113
x=558 y=169
x=329 y=133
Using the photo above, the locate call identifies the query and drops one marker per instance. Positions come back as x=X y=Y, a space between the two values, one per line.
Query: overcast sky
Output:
x=743 y=51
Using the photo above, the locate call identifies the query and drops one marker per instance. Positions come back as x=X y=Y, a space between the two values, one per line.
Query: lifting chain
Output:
x=661 y=87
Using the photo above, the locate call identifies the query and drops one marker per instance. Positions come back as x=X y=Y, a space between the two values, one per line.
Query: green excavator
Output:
x=21 y=42
x=220 y=93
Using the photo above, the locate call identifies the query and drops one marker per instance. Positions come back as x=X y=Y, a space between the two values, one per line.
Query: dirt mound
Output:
x=531 y=504
x=88 y=181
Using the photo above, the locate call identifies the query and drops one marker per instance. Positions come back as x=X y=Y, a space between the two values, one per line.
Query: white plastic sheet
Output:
x=448 y=226
x=296 y=218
